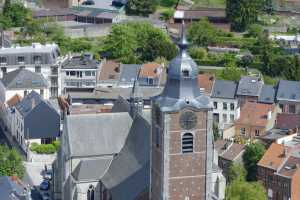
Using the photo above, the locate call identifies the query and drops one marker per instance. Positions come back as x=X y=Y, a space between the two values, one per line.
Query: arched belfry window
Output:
x=185 y=73
x=91 y=193
x=187 y=143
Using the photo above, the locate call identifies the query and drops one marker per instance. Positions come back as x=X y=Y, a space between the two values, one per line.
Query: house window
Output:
x=256 y=133
x=231 y=118
x=3 y=60
x=150 y=81
x=270 y=180
x=243 y=131
x=67 y=73
x=93 y=73
x=72 y=73
x=91 y=193
x=20 y=59
x=224 y=118
x=46 y=140
x=232 y=106
x=37 y=59
x=224 y=106
x=216 y=105
x=88 y=73
x=292 y=108
x=25 y=93
x=187 y=143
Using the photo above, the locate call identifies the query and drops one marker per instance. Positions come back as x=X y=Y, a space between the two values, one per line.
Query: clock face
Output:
x=188 y=120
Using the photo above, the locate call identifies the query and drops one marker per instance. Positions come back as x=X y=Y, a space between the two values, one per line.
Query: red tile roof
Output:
x=274 y=156
x=14 y=100
x=287 y=121
x=255 y=114
x=110 y=70
x=150 y=70
x=229 y=150
x=206 y=81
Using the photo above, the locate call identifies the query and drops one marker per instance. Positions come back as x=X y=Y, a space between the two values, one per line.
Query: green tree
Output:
x=168 y=3
x=202 y=33
x=292 y=71
x=236 y=171
x=252 y=155
x=5 y=22
x=10 y=162
x=230 y=72
x=121 y=44
x=167 y=14
x=243 y=13
x=138 y=42
x=16 y=12
x=141 y=7
x=198 y=53
x=242 y=190
x=254 y=30
x=216 y=131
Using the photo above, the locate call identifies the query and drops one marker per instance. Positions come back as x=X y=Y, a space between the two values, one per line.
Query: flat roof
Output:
x=34 y=48
x=102 y=5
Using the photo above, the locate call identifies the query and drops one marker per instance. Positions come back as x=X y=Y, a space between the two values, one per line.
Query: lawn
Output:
x=209 y=3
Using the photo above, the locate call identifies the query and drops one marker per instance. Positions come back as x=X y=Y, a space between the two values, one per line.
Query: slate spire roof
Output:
x=181 y=89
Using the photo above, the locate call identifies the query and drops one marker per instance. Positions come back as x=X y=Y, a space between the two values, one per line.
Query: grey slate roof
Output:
x=103 y=136
x=288 y=91
x=249 y=86
x=81 y=62
x=23 y=79
x=41 y=120
x=28 y=103
x=114 y=93
x=129 y=73
x=224 y=89
x=130 y=180
x=7 y=187
x=91 y=169
x=267 y=94
x=181 y=89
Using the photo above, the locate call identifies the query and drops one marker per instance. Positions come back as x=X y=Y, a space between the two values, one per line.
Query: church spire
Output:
x=136 y=98
x=181 y=89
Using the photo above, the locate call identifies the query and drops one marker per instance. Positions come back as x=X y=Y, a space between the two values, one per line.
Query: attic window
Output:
x=185 y=73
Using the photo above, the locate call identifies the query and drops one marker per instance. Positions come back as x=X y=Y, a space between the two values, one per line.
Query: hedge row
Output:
x=45 y=148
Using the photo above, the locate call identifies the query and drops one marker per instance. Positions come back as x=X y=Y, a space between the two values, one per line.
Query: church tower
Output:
x=181 y=136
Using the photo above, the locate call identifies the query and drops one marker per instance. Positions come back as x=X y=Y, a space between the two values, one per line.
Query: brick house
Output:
x=288 y=96
x=255 y=119
x=279 y=172
x=228 y=153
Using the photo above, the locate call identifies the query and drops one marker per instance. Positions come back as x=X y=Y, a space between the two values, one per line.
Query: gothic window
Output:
x=91 y=193
x=187 y=143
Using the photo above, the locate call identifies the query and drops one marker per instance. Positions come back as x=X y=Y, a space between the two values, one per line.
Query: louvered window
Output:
x=187 y=143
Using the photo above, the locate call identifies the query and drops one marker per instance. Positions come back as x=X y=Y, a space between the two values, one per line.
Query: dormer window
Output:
x=185 y=73
x=21 y=59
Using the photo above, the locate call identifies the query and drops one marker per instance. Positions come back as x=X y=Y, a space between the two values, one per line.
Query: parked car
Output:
x=45 y=185
x=48 y=175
